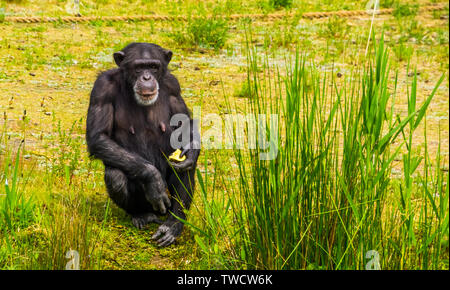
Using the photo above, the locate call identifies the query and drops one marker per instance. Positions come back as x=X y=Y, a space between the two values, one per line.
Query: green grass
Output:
x=202 y=32
x=405 y=9
x=59 y=224
x=17 y=211
x=117 y=7
x=280 y=3
x=59 y=202
x=327 y=200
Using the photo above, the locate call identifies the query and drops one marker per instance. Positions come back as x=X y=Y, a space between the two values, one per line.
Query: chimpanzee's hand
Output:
x=168 y=232
x=155 y=193
x=189 y=162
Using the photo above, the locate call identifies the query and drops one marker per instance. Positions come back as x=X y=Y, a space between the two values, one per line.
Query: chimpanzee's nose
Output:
x=146 y=77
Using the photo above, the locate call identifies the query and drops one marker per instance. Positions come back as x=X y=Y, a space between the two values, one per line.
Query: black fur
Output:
x=132 y=140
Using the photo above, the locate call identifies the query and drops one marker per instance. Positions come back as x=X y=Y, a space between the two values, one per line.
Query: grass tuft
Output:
x=328 y=201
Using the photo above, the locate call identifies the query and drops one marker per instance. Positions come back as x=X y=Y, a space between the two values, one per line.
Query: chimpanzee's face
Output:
x=145 y=74
x=144 y=66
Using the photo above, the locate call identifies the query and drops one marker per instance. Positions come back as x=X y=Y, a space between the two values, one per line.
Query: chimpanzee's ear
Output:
x=167 y=55
x=118 y=57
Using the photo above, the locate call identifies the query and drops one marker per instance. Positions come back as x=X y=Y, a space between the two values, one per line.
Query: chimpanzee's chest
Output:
x=145 y=131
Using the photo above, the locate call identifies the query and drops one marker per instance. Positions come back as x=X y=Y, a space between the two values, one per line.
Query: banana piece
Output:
x=175 y=156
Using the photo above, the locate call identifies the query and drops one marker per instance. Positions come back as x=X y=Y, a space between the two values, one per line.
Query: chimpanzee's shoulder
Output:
x=172 y=84
x=108 y=79
x=109 y=76
x=107 y=85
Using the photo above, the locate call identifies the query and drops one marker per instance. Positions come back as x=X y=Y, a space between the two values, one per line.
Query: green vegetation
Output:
x=202 y=32
x=280 y=3
x=327 y=199
x=362 y=159
x=17 y=212
x=402 y=10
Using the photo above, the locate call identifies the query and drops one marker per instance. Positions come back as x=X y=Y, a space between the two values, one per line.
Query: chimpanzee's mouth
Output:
x=148 y=95
x=146 y=98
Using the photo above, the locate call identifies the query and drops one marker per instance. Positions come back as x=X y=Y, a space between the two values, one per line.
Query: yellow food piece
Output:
x=175 y=156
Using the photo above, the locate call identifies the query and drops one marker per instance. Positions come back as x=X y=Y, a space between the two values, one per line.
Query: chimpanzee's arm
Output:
x=192 y=148
x=99 y=126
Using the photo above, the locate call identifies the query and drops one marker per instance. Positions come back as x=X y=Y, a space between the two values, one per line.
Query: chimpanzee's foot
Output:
x=168 y=232
x=141 y=220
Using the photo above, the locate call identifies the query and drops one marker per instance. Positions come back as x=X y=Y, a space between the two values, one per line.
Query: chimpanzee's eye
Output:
x=138 y=71
x=154 y=66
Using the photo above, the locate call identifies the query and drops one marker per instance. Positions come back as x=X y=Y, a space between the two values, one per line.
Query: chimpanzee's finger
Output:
x=161 y=206
x=166 y=201
x=166 y=240
x=155 y=208
x=183 y=152
x=161 y=230
x=185 y=165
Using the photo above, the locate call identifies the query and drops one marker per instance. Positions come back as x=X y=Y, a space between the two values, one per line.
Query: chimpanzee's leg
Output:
x=129 y=195
x=181 y=189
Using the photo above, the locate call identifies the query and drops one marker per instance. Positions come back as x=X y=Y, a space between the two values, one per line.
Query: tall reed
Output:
x=327 y=200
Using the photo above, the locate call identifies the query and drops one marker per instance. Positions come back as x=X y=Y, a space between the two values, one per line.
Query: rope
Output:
x=273 y=16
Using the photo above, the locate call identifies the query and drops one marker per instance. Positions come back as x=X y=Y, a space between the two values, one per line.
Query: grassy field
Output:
x=333 y=194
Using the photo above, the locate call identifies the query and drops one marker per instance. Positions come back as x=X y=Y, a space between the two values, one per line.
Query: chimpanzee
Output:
x=129 y=129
